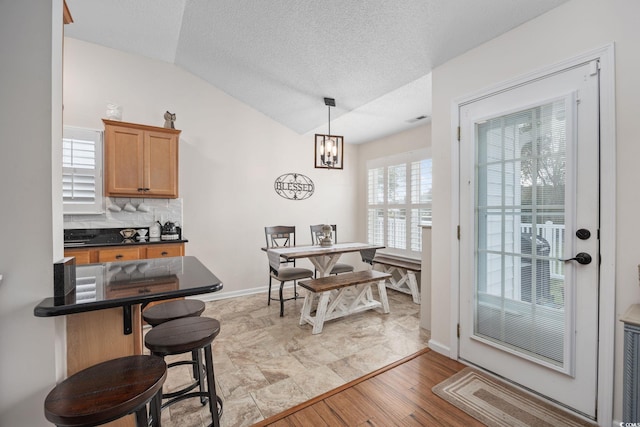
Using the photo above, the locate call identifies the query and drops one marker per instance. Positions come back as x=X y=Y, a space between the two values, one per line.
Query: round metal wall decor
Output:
x=294 y=186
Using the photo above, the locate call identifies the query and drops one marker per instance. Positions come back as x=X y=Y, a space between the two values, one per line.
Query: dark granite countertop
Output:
x=97 y=237
x=121 y=242
x=126 y=283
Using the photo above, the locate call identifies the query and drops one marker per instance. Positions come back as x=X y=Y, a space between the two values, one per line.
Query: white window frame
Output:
x=413 y=232
x=71 y=133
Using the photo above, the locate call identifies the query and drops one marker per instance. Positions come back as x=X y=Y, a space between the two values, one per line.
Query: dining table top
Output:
x=308 y=251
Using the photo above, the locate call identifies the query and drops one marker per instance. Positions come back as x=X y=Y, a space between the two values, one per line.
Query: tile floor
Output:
x=265 y=364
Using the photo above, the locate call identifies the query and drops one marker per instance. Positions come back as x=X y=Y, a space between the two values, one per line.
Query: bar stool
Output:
x=108 y=391
x=172 y=310
x=189 y=334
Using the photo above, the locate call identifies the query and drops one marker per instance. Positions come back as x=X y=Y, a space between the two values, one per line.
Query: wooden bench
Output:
x=341 y=295
x=407 y=283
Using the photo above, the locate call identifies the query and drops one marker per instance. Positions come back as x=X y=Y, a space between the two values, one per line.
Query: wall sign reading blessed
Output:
x=294 y=186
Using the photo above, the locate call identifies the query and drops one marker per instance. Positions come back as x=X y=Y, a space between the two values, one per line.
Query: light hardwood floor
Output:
x=397 y=395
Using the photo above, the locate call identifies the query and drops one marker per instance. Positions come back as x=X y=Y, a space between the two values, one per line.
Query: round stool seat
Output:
x=106 y=392
x=182 y=335
x=195 y=335
x=172 y=310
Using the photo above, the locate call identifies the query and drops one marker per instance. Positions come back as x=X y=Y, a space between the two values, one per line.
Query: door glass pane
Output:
x=520 y=216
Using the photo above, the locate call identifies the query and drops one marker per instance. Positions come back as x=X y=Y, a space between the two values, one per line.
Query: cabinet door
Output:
x=162 y=251
x=118 y=254
x=161 y=164
x=82 y=255
x=123 y=157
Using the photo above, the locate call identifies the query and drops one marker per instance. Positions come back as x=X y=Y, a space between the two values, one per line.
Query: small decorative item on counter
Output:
x=128 y=233
x=154 y=230
x=142 y=234
x=169 y=118
x=169 y=231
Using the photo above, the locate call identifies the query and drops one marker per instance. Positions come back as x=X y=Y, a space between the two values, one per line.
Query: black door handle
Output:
x=582 y=258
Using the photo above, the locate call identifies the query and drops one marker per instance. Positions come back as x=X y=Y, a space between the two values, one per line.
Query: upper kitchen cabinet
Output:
x=140 y=160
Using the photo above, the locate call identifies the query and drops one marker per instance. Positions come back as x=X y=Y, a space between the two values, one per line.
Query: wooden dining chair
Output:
x=280 y=236
x=317 y=235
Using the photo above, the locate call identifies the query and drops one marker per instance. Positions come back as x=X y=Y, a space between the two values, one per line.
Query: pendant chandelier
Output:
x=329 y=148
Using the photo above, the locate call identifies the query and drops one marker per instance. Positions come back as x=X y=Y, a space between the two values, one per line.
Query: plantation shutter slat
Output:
x=399 y=201
x=81 y=170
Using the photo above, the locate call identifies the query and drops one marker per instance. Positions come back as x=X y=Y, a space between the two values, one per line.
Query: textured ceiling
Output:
x=282 y=57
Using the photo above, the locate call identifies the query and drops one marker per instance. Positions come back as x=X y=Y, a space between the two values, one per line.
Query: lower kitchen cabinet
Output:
x=120 y=254
x=124 y=253
x=83 y=256
x=167 y=250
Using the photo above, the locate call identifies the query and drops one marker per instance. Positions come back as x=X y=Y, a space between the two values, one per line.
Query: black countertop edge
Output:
x=47 y=308
x=134 y=243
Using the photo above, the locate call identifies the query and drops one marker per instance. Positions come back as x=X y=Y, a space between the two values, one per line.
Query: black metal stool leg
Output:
x=154 y=409
x=211 y=386
x=141 y=417
x=203 y=396
x=281 y=300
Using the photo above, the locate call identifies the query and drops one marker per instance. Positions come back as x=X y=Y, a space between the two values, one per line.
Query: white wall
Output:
x=230 y=156
x=30 y=128
x=571 y=29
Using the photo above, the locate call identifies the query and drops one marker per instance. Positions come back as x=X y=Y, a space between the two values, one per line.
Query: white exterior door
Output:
x=529 y=182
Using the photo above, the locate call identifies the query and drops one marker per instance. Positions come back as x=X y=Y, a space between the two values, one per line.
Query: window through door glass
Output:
x=520 y=218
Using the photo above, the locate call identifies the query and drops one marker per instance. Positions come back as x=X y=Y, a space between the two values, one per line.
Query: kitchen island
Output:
x=104 y=308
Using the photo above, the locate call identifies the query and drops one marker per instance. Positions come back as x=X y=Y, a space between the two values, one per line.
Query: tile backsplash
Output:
x=134 y=216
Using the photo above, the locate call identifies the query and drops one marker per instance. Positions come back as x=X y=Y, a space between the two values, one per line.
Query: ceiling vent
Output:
x=417 y=119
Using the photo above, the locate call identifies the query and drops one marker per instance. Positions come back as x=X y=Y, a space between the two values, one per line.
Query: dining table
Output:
x=324 y=258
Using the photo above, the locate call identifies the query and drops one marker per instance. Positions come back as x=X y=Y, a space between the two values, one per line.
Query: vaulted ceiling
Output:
x=282 y=57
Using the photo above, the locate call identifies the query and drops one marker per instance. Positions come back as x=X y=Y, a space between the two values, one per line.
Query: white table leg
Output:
x=324 y=263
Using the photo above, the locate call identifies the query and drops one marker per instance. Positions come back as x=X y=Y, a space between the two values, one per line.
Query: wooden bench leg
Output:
x=382 y=291
x=306 y=308
x=407 y=284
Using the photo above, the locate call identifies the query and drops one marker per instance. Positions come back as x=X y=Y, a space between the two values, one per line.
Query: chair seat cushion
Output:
x=292 y=273
x=341 y=268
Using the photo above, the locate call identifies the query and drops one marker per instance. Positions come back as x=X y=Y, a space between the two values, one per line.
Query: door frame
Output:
x=606 y=304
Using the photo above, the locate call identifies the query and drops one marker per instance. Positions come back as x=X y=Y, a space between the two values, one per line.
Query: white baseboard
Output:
x=439 y=348
x=214 y=296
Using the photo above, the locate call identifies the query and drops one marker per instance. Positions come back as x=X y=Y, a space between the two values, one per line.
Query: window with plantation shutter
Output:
x=82 y=171
x=399 y=202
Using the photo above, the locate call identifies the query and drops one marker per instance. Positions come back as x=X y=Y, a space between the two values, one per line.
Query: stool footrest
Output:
x=194 y=394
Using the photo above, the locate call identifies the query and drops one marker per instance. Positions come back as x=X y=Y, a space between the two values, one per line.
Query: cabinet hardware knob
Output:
x=164 y=253
x=119 y=256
